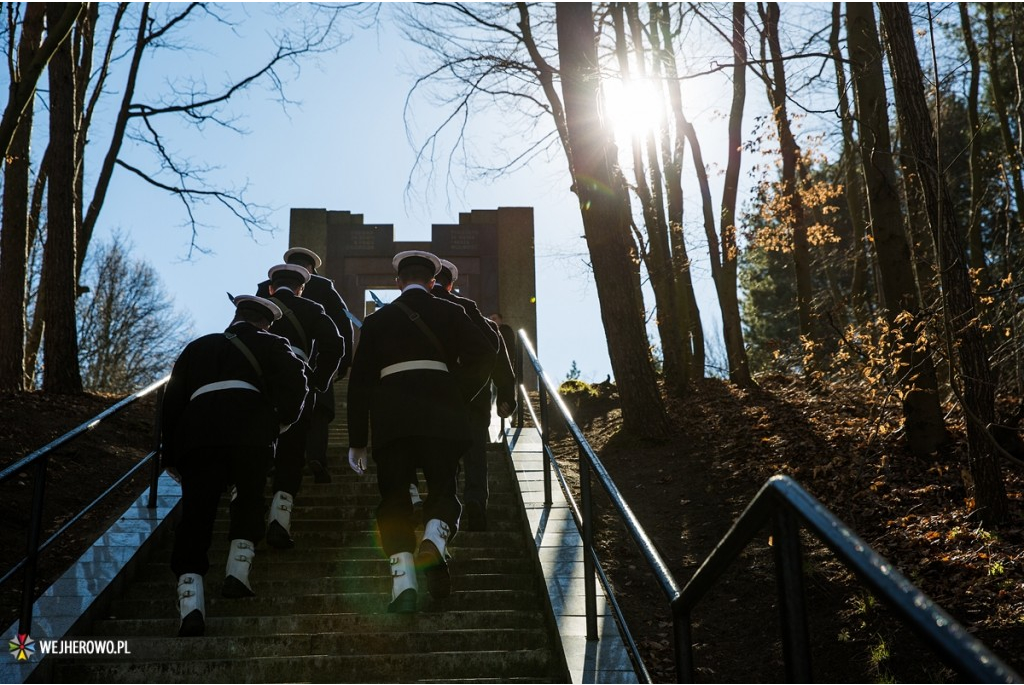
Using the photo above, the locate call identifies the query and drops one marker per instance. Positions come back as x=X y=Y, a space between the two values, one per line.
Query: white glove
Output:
x=357 y=459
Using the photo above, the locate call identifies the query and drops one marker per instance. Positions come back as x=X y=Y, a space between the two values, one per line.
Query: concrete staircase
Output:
x=320 y=610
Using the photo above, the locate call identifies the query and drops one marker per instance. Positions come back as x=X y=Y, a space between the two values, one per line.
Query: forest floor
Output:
x=686 y=493
x=726 y=444
x=77 y=474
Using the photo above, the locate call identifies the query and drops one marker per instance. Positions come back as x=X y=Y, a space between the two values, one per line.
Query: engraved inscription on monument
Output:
x=464 y=240
x=360 y=240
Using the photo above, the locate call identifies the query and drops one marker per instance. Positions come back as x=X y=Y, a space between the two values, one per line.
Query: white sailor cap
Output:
x=303 y=252
x=409 y=257
x=452 y=269
x=259 y=305
x=290 y=271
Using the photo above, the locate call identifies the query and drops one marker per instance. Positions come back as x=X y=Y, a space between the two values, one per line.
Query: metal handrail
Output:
x=782 y=502
x=38 y=461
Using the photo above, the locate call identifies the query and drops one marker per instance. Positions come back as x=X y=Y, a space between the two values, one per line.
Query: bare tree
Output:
x=604 y=204
x=129 y=333
x=23 y=80
x=789 y=149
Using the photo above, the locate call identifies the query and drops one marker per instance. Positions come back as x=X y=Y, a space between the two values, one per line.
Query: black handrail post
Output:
x=682 y=631
x=545 y=439
x=35 y=529
x=157 y=451
x=793 y=614
x=589 y=575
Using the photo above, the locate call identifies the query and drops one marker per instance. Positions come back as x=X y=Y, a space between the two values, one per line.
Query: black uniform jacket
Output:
x=321 y=290
x=501 y=373
x=319 y=339
x=425 y=403
x=234 y=416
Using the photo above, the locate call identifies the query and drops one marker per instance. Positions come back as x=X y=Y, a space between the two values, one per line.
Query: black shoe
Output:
x=430 y=559
x=320 y=472
x=233 y=588
x=474 y=517
x=278 y=537
x=405 y=603
x=193 y=625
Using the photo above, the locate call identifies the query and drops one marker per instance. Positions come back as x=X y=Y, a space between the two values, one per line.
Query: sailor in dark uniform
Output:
x=320 y=290
x=418 y=362
x=474 y=461
x=229 y=396
x=315 y=340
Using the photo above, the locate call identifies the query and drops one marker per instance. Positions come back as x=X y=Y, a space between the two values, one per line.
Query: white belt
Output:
x=223 y=385
x=415 y=365
x=300 y=353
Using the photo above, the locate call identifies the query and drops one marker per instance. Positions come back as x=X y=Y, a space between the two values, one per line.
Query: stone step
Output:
x=351 y=623
x=328 y=519
x=262 y=605
x=320 y=614
x=282 y=566
x=532 y=665
x=306 y=552
x=410 y=639
x=322 y=496
x=270 y=583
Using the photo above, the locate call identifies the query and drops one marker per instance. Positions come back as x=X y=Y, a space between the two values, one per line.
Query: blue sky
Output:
x=342 y=145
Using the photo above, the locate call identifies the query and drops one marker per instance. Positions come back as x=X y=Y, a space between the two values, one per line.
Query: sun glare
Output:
x=632 y=109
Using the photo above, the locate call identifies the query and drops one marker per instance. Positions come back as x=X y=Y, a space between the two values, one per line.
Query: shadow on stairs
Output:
x=320 y=610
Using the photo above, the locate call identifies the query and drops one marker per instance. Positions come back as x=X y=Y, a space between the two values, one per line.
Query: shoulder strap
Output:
x=244 y=349
x=303 y=340
x=415 y=318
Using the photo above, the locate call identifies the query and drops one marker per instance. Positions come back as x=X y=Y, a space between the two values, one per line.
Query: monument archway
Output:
x=492 y=248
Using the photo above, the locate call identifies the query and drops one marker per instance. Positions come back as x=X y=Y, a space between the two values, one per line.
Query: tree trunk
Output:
x=84 y=41
x=921 y=409
x=22 y=90
x=604 y=205
x=658 y=257
x=14 y=238
x=859 y=300
x=963 y=324
x=99 y=192
x=790 y=152
x=60 y=372
x=974 y=240
x=723 y=254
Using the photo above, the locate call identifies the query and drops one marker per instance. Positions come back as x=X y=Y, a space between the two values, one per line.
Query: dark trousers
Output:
x=319 y=421
x=290 y=458
x=474 y=461
x=396 y=468
x=205 y=474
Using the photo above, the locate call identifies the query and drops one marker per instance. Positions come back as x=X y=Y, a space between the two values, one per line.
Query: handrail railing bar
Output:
x=53 y=538
x=24 y=462
x=947 y=638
